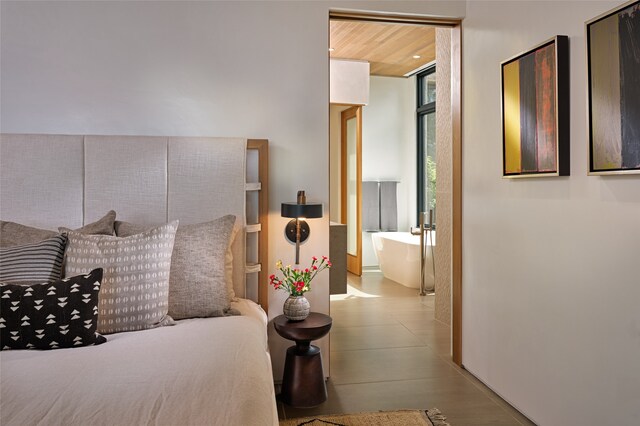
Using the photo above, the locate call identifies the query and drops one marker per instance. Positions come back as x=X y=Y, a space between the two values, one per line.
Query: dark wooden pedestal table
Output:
x=303 y=381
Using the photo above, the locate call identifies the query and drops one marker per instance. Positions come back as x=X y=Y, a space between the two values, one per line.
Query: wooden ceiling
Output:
x=389 y=48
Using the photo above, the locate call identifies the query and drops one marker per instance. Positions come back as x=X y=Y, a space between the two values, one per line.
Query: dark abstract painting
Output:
x=535 y=111
x=613 y=46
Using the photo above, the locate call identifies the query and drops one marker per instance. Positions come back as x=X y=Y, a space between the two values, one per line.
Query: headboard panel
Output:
x=41 y=180
x=127 y=174
x=55 y=180
x=207 y=179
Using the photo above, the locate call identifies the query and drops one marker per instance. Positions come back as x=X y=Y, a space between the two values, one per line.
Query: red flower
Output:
x=296 y=281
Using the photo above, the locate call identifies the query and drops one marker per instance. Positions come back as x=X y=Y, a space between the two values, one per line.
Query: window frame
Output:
x=422 y=109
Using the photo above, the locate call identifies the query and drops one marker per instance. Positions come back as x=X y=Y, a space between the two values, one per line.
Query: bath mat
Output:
x=432 y=417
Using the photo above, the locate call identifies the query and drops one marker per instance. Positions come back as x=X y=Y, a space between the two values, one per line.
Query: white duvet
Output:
x=213 y=371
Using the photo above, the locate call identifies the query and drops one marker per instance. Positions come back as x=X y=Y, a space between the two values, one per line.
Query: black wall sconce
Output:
x=297 y=230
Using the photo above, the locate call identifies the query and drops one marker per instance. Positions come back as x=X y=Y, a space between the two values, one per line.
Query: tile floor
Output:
x=388 y=352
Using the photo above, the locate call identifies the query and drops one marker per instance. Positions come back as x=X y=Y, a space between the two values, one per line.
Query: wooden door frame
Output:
x=456 y=190
x=456 y=111
x=354 y=263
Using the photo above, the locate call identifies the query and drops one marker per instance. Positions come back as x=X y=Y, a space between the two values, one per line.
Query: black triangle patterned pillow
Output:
x=60 y=314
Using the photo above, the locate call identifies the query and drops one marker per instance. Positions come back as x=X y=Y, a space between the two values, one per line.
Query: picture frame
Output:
x=613 y=90
x=535 y=111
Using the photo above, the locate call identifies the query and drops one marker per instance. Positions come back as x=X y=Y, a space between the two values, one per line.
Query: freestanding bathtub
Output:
x=398 y=255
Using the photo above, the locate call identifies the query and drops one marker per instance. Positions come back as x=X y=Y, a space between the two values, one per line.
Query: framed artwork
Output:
x=613 y=89
x=535 y=111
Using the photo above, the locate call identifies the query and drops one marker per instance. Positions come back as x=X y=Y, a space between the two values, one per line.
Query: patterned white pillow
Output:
x=201 y=267
x=135 y=286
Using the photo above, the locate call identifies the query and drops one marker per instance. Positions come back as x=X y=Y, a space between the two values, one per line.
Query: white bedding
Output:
x=212 y=371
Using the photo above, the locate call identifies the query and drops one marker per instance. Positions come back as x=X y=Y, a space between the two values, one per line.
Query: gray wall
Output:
x=550 y=266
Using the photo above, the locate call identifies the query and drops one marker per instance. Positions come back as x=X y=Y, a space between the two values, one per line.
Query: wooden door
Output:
x=351 y=186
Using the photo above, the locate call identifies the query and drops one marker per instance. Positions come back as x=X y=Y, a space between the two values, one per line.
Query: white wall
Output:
x=348 y=82
x=389 y=147
x=255 y=69
x=550 y=266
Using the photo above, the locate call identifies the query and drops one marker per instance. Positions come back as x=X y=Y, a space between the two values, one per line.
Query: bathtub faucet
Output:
x=424 y=227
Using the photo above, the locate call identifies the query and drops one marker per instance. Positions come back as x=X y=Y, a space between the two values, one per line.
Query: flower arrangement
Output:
x=297 y=281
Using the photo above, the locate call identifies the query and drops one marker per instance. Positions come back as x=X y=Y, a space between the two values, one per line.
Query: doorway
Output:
x=455 y=150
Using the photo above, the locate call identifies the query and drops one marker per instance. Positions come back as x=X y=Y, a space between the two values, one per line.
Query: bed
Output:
x=198 y=371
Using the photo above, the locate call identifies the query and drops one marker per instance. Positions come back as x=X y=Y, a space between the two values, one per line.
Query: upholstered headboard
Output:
x=71 y=180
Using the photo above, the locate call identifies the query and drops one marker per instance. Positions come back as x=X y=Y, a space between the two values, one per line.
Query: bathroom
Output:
x=393 y=127
x=389 y=181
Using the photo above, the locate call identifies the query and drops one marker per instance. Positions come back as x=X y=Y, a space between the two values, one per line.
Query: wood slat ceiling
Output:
x=389 y=48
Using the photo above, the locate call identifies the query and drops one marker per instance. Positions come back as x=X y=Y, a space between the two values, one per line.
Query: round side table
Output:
x=303 y=380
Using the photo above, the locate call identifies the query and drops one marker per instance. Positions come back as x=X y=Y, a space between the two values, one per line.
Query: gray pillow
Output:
x=15 y=234
x=199 y=276
x=135 y=285
x=103 y=226
x=33 y=263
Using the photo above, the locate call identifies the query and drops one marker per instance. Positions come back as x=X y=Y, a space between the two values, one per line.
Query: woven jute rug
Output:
x=432 y=417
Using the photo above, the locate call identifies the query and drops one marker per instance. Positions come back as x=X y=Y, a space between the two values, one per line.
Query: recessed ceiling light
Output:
x=416 y=56
x=331 y=49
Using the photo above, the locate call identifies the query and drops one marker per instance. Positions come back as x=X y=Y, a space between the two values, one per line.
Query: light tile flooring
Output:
x=388 y=352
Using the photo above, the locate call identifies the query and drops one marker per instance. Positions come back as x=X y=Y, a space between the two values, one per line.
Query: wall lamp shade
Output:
x=302 y=211
x=297 y=230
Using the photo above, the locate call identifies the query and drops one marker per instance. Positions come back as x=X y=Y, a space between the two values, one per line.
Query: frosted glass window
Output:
x=352 y=206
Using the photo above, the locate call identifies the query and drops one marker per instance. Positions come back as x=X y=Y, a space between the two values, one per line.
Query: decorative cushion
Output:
x=228 y=263
x=33 y=263
x=103 y=226
x=61 y=314
x=199 y=278
x=15 y=234
x=135 y=286
x=125 y=229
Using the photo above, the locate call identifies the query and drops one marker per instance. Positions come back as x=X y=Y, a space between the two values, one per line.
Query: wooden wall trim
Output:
x=262 y=146
x=456 y=112
x=344 y=116
x=393 y=18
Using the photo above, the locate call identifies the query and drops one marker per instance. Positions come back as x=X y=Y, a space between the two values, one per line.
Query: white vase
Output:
x=296 y=308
